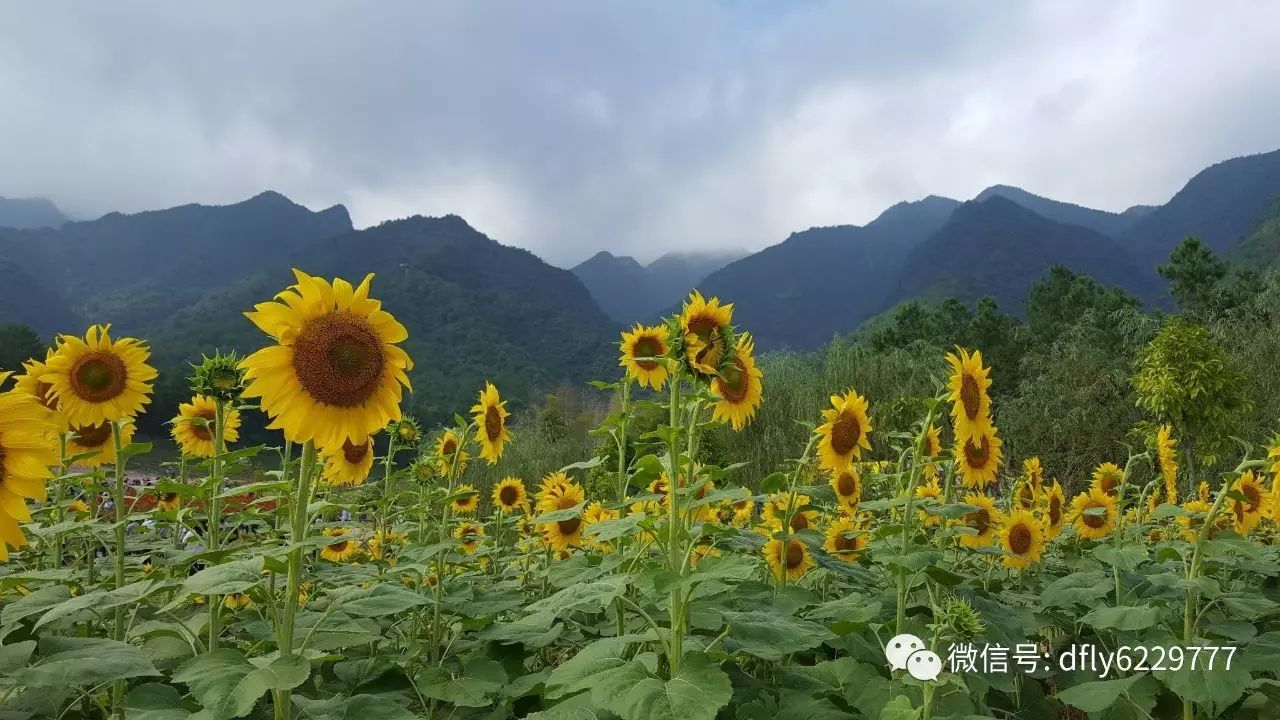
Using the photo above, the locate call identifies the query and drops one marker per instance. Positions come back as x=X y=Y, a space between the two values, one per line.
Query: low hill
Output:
x=27 y=213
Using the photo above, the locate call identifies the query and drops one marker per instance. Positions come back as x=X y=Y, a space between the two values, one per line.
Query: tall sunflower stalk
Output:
x=916 y=472
x=215 y=510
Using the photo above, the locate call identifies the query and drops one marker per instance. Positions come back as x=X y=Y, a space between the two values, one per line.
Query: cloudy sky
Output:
x=569 y=127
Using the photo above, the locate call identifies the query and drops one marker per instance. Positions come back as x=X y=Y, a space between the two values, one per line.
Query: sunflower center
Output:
x=202 y=431
x=3 y=475
x=732 y=382
x=1019 y=539
x=976 y=455
x=799 y=522
x=1255 y=499
x=979 y=520
x=508 y=495
x=169 y=497
x=338 y=359
x=845 y=432
x=340 y=546
x=570 y=526
x=92 y=436
x=846 y=542
x=647 y=347
x=795 y=554
x=709 y=333
x=970 y=396
x=846 y=484
x=98 y=376
x=1095 y=521
x=493 y=423
x=1055 y=510
x=354 y=454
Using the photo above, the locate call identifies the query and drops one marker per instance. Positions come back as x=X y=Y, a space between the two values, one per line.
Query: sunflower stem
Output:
x=908 y=517
x=675 y=560
x=59 y=490
x=117 y=495
x=215 y=512
x=297 y=535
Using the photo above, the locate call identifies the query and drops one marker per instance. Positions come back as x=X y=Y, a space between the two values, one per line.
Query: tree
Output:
x=18 y=343
x=1186 y=378
x=1193 y=272
x=1061 y=298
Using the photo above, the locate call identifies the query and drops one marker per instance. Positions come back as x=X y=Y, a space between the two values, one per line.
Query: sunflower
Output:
x=846 y=432
x=594 y=513
x=78 y=507
x=1033 y=473
x=168 y=501
x=979 y=458
x=96 y=380
x=847 y=485
x=1189 y=525
x=932 y=442
x=1093 y=525
x=1247 y=513
x=406 y=432
x=342 y=549
x=638 y=350
x=466 y=499
x=701 y=552
x=32 y=382
x=985 y=520
x=236 y=601
x=25 y=457
x=1026 y=496
x=490 y=413
x=447 y=446
x=384 y=543
x=349 y=464
x=1054 y=499
x=193 y=429
x=795 y=560
x=1167 y=458
x=96 y=439
x=1202 y=492
x=738 y=386
x=846 y=537
x=335 y=373
x=928 y=491
x=1022 y=539
x=1108 y=477
x=509 y=494
x=470 y=535
x=970 y=403
x=743 y=511
x=560 y=493
x=776 y=509
x=705 y=327
x=657 y=487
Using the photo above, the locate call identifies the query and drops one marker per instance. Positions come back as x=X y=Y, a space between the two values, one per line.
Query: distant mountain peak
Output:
x=1100 y=221
x=30 y=213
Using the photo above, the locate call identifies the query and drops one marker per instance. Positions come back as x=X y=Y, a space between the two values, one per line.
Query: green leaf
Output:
x=356 y=707
x=37 y=602
x=614 y=529
x=154 y=701
x=1125 y=557
x=772 y=635
x=535 y=631
x=480 y=679
x=99 y=601
x=15 y=655
x=376 y=601
x=593 y=596
x=697 y=692
x=70 y=661
x=224 y=579
x=1098 y=695
x=227 y=685
x=575 y=674
x=1216 y=688
x=1123 y=617
x=899 y=708
x=578 y=707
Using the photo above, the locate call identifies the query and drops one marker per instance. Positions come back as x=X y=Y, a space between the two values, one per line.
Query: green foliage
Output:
x=18 y=343
x=1193 y=271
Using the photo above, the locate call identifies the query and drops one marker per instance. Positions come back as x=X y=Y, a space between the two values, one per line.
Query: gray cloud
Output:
x=567 y=127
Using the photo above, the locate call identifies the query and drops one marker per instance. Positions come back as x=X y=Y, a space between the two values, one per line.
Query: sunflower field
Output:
x=355 y=569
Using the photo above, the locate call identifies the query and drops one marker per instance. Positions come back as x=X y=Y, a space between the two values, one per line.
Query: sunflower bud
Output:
x=406 y=432
x=219 y=377
x=963 y=620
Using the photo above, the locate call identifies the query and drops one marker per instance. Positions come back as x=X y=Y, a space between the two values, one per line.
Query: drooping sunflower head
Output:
x=1022 y=539
x=792 y=559
x=195 y=426
x=1167 y=459
x=738 y=387
x=348 y=464
x=932 y=442
x=643 y=352
x=846 y=537
x=847 y=485
x=983 y=520
x=1094 y=513
x=1054 y=508
x=969 y=384
x=490 y=413
x=469 y=536
x=978 y=457
x=509 y=495
x=1026 y=496
x=1247 y=502
x=168 y=501
x=451 y=453
x=94 y=443
x=336 y=372
x=96 y=380
x=343 y=548
x=219 y=377
x=706 y=330
x=465 y=500
x=1033 y=473
x=26 y=454
x=845 y=433
x=1108 y=477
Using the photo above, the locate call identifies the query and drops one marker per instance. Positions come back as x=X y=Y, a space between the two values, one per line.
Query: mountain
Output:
x=630 y=292
x=1261 y=247
x=1000 y=248
x=1100 y=221
x=824 y=281
x=1220 y=205
x=25 y=300
x=26 y=213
